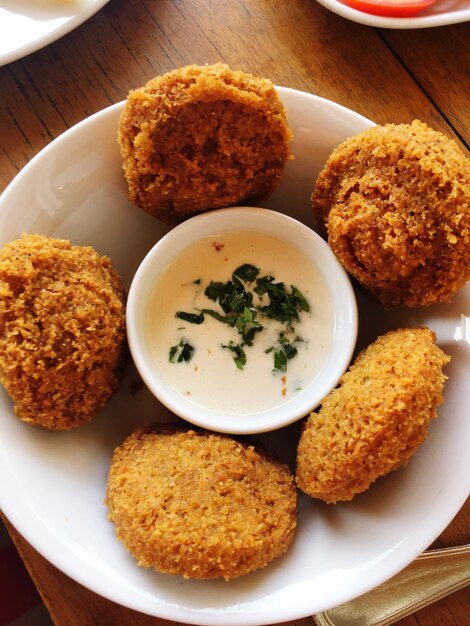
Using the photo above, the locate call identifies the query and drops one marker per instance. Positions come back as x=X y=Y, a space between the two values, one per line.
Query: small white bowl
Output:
x=338 y=290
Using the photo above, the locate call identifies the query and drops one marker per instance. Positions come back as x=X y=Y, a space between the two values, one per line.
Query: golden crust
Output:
x=376 y=419
x=202 y=137
x=395 y=201
x=61 y=330
x=200 y=505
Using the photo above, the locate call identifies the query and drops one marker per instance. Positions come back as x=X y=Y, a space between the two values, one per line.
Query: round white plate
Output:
x=28 y=25
x=52 y=484
x=442 y=13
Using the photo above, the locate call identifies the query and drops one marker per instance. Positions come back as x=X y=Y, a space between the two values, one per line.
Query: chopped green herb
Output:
x=280 y=360
x=240 y=300
x=172 y=354
x=263 y=284
x=214 y=290
x=290 y=350
x=186 y=353
x=246 y=272
x=248 y=315
x=300 y=299
x=238 y=311
x=221 y=318
x=219 y=292
x=283 y=306
x=239 y=355
x=248 y=326
x=245 y=322
x=183 y=351
x=232 y=297
x=193 y=318
x=197 y=281
x=284 y=353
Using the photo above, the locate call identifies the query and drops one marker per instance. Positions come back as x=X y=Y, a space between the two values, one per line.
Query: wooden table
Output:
x=387 y=75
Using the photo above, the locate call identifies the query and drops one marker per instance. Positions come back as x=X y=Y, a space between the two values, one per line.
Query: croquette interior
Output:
x=62 y=330
x=199 y=504
x=395 y=203
x=202 y=137
x=377 y=417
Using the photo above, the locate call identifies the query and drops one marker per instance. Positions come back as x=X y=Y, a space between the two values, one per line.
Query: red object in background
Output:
x=390 y=8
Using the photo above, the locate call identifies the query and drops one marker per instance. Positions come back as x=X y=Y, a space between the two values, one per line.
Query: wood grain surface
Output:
x=388 y=76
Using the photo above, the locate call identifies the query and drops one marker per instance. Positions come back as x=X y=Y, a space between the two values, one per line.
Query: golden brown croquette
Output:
x=202 y=137
x=395 y=201
x=377 y=417
x=62 y=330
x=199 y=504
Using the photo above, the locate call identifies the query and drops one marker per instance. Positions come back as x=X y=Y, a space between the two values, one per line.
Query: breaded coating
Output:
x=202 y=137
x=376 y=419
x=395 y=200
x=199 y=504
x=62 y=330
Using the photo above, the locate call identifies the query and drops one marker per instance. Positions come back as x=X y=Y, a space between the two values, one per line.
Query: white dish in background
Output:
x=442 y=13
x=52 y=483
x=28 y=25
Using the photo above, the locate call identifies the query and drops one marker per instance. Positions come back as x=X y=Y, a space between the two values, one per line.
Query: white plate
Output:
x=28 y=25
x=52 y=484
x=442 y=13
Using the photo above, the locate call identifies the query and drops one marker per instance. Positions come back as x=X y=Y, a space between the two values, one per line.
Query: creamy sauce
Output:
x=210 y=378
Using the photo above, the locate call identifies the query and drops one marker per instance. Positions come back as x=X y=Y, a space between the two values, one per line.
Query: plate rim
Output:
x=42 y=41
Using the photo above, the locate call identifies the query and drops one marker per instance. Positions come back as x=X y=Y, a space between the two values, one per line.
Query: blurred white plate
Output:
x=52 y=484
x=28 y=25
x=442 y=13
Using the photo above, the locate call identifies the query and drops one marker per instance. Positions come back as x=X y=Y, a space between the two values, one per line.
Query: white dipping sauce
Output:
x=210 y=378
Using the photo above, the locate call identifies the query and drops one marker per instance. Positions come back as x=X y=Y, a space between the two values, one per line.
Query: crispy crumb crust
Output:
x=377 y=417
x=202 y=137
x=199 y=504
x=395 y=201
x=62 y=330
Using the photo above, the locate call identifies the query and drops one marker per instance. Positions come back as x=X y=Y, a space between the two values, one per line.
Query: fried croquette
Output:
x=376 y=419
x=62 y=330
x=199 y=504
x=200 y=138
x=395 y=201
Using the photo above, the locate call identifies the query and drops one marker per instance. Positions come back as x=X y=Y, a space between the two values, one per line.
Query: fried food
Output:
x=202 y=137
x=62 y=330
x=395 y=201
x=199 y=504
x=376 y=419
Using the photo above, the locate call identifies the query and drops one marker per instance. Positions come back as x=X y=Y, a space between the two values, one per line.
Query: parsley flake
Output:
x=183 y=351
x=239 y=355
